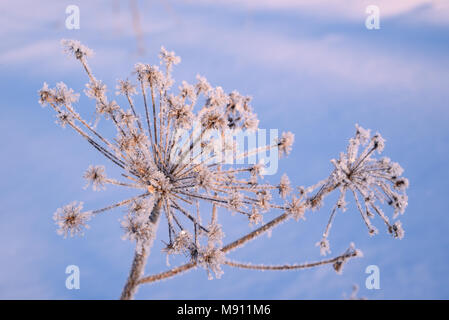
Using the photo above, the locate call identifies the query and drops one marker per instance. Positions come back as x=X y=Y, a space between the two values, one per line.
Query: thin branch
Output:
x=290 y=266
x=168 y=274
x=119 y=204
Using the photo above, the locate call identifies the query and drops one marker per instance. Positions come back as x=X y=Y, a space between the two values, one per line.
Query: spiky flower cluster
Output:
x=71 y=220
x=174 y=181
x=137 y=224
x=371 y=181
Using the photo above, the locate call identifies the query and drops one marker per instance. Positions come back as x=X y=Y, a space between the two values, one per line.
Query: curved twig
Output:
x=290 y=266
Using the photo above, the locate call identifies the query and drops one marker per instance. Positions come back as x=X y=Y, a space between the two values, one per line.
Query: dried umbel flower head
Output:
x=211 y=259
x=137 y=225
x=284 y=186
x=174 y=177
x=372 y=182
x=169 y=58
x=96 y=176
x=286 y=142
x=76 y=48
x=71 y=220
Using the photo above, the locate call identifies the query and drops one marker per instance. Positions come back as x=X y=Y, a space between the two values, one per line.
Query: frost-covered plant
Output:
x=173 y=182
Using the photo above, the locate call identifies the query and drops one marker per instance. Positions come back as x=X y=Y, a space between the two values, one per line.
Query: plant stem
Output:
x=140 y=258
